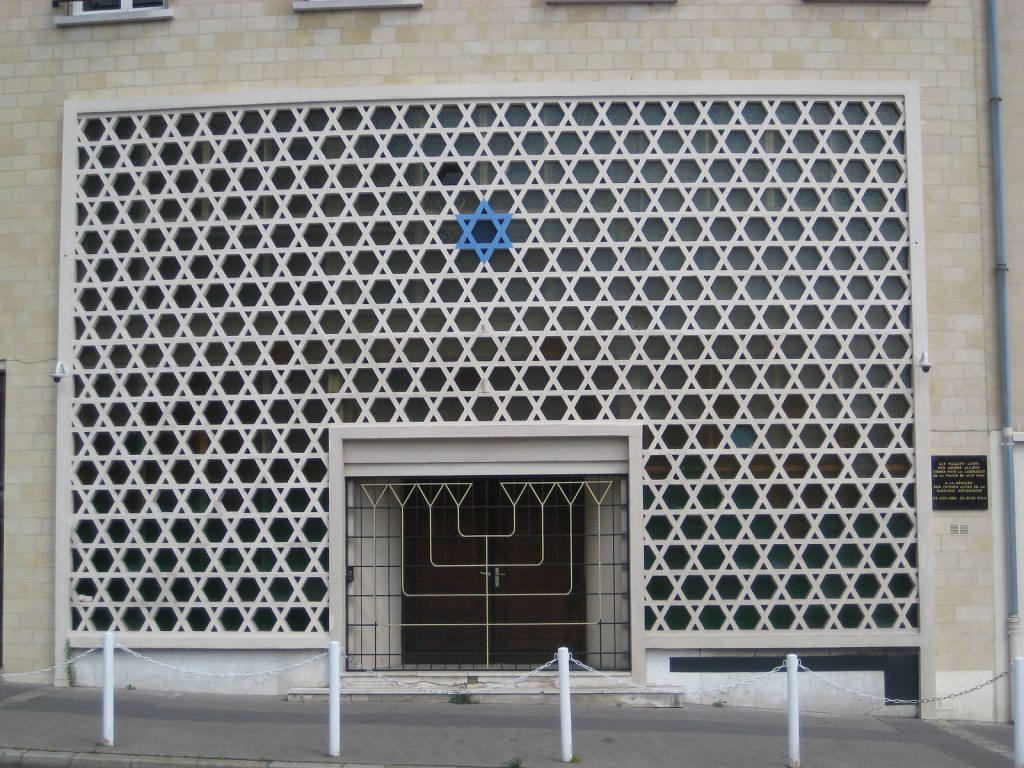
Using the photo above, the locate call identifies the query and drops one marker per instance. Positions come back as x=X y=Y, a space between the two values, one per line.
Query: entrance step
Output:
x=486 y=690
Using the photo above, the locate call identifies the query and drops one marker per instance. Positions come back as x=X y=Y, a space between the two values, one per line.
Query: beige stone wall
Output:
x=255 y=45
x=964 y=583
x=1011 y=31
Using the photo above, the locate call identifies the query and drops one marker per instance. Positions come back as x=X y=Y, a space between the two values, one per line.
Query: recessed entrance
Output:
x=485 y=547
x=487 y=572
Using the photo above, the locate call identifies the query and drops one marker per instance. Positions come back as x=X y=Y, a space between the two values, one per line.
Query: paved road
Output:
x=61 y=728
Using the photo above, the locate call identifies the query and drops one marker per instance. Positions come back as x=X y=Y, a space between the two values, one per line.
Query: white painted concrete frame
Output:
x=906 y=91
x=542 y=449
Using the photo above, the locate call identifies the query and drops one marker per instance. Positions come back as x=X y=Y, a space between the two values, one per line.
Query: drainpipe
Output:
x=1003 y=323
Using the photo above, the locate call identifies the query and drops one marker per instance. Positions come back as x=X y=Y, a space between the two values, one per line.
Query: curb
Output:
x=34 y=758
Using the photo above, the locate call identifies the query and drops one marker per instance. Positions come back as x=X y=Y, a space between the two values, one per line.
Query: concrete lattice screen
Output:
x=732 y=272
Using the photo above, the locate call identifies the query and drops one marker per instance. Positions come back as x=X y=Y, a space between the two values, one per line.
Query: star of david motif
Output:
x=484 y=231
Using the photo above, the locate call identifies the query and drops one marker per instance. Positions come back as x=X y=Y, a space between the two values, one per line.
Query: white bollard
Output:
x=1018 y=712
x=108 y=689
x=334 y=698
x=564 y=704
x=793 y=696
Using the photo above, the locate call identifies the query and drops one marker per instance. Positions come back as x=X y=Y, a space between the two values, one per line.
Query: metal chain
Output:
x=887 y=700
x=748 y=681
x=515 y=681
x=599 y=673
x=413 y=686
x=55 y=667
x=780 y=668
x=682 y=691
x=463 y=690
x=230 y=675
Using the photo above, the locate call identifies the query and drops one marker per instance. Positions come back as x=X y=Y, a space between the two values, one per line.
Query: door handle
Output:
x=498 y=573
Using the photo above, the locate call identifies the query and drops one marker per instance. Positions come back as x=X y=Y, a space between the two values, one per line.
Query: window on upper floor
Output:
x=352 y=5
x=107 y=11
x=611 y=2
x=849 y=2
x=121 y=5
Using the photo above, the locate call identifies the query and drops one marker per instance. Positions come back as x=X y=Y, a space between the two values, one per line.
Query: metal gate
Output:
x=488 y=573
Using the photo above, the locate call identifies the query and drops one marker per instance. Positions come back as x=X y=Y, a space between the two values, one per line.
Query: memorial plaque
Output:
x=959 y=482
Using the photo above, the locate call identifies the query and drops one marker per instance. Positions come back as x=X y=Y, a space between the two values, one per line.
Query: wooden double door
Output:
x=492 y=572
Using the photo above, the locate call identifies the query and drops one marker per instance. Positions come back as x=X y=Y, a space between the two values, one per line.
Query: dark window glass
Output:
x=115 y=5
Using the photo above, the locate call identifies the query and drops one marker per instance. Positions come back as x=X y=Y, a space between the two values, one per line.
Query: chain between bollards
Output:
x=563 y=659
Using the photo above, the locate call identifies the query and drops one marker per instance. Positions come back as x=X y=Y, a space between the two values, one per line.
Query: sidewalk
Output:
x=44 y=727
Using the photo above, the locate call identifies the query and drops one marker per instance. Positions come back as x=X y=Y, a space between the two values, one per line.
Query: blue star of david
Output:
x=484 y=231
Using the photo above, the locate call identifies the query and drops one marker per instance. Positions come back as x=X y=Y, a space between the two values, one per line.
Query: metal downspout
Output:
x=1003 y=323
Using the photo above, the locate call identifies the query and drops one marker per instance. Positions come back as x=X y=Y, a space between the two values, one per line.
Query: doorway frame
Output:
x=486 y=449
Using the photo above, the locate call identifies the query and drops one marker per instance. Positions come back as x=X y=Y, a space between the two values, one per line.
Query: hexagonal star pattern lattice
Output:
x=732 y=271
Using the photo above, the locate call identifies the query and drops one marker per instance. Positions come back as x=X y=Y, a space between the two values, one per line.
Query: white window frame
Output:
x=480 y=449
x=303 y=6
x=611 y=2
x=848 y=2
x=78 y=14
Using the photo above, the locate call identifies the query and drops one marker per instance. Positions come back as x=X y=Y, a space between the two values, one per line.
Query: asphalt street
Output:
x=46 y=727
